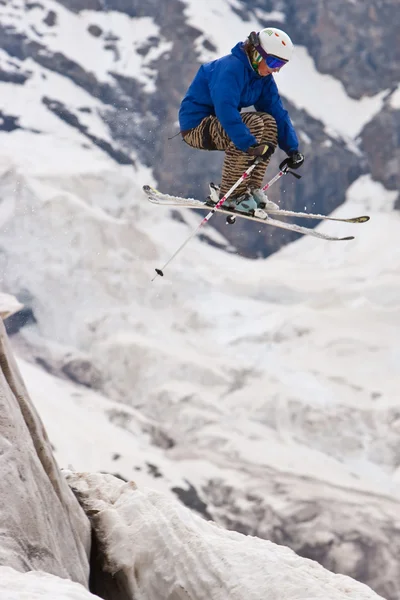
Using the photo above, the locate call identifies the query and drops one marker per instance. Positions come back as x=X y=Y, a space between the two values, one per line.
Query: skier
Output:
x=210 y=117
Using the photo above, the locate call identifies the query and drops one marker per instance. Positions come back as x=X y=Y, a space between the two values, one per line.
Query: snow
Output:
x=26 y=103
x=194 y=558
x=275 y=15
x=211 y=17
x=107 y=436
x=299 y=81
x=189 y=335
x=132 y=34
x=307 y=89
x=37 y=585
x=395 y=99
x=127 y=34
x=116 y=51
x=371 y=195
x=9 y=305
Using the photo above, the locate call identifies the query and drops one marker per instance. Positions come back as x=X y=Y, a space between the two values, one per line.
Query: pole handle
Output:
x=284 y=167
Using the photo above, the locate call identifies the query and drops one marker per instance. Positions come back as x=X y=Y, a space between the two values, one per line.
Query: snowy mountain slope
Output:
x=274 y=380
x=54 y=540
x=118 y=87
x=98 y=435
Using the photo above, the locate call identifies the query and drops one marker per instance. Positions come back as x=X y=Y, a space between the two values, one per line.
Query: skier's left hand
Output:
x=263 y=151
x=295 y=160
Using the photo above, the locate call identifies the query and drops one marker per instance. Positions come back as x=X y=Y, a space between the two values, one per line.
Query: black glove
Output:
x=265 y=150
x=295 y=160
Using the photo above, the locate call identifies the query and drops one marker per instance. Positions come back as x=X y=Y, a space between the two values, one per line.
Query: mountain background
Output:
x=347 y=118
x=258 y=381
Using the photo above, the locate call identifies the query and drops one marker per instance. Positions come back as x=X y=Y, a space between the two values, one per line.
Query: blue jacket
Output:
x=226 y=85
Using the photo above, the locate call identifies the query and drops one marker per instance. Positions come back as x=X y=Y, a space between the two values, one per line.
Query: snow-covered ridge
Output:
x=161 y=549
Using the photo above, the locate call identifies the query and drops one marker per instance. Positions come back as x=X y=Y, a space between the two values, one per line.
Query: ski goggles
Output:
x=273 y=62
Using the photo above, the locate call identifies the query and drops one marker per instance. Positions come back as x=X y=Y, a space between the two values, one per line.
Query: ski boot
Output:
x=245 y=203
x=262 y=201
x=215 y=197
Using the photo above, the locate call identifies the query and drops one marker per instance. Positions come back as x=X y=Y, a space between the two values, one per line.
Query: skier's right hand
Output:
x=264 y=151
x=295 y=160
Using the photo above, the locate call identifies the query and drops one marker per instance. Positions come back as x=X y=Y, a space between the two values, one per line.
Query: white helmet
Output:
x=276 y=42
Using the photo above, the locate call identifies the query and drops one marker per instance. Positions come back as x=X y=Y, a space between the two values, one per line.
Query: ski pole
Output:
x=284 y=170
x=209 y=215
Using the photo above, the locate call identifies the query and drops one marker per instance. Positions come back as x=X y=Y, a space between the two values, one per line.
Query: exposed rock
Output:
x=349 y=40
x=13 y=77
x=81 y=370
x=95 y=30
x=51 y=18
x=190 y=498
x=43 y=527
x=17 y=321
x=59 y=109
x=381 y=142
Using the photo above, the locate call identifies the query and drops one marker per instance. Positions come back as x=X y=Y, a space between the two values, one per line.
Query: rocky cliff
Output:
x=42 y=525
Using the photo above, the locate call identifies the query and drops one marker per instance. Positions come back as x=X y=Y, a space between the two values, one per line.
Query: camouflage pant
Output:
x=210 y=135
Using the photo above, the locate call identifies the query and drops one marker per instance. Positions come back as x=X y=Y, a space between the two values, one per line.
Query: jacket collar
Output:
x=238 y=52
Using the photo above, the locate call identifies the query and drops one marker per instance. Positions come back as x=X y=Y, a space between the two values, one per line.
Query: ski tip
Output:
x=362 y=219
x=346 y=239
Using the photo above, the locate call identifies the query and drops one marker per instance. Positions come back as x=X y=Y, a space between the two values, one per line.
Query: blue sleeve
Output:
x=271 y=103
x=225 y=90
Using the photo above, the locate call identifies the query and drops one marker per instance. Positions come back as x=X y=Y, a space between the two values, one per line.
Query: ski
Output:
x=157 y=197
x=293 y=213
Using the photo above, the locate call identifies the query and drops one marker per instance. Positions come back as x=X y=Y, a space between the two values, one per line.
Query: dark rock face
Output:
x=59 y=109
x=81 y=370
x=381 y=141
x=17 y=321
x=355 y=43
